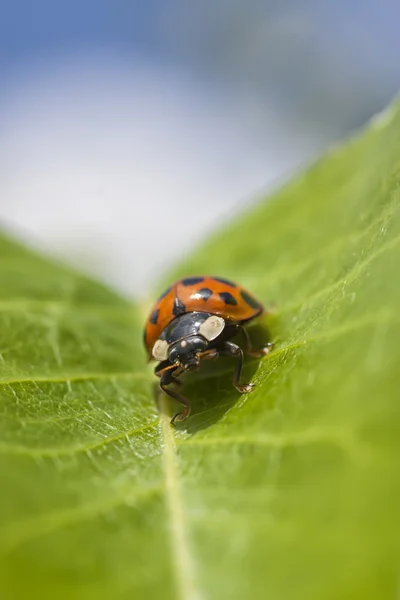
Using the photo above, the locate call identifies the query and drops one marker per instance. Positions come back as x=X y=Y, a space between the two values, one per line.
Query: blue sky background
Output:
x=294 y=51
x=112 y=111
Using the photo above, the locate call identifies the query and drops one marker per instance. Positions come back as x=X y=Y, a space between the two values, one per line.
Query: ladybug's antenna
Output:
x=179 y=308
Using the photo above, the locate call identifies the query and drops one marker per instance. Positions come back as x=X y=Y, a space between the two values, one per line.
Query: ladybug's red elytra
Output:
x=194 y=319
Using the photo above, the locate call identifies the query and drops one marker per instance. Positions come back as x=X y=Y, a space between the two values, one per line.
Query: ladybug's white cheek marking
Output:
x=160 y=350
x=183 y=344
x=212 y=327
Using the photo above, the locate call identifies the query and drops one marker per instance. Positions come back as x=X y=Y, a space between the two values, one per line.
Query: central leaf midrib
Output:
x=183 y=563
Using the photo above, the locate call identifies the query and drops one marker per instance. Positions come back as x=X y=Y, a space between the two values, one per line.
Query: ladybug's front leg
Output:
x=167 y=376
x=266 y=349
x=211 y=354
x=230 y=349
x=163 y=367
x=166 y=367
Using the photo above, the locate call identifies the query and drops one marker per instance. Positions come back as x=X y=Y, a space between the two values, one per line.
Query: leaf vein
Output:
x=73 y=450
x=68 y=378
x=183 y=564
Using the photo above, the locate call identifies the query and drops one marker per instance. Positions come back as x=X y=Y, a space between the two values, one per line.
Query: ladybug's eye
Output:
x=212 y=327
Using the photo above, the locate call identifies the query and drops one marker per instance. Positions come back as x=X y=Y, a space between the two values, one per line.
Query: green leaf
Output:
x=288 y=492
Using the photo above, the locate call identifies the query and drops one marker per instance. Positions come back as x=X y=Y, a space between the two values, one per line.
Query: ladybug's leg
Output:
x=266 y=349
x=164 y=366
x=230 y=349
x=210 y=354
x=167 y=376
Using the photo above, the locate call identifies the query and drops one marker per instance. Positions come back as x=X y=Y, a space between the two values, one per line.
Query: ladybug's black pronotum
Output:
x=194 y=319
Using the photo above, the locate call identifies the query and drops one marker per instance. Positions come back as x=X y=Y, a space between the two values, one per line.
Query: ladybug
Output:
x=194 y=319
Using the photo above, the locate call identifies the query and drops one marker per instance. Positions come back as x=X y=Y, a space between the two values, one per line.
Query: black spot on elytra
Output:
x=225 y=281
x=249 y=299
x=165 y=293
x=228 y=298
x=154 y=317
x=205 y=293
x=191 y=281
x=179 y=307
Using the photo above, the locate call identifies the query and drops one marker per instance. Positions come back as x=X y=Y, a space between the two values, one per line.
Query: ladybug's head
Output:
x=186 y=353
x=187 y=338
